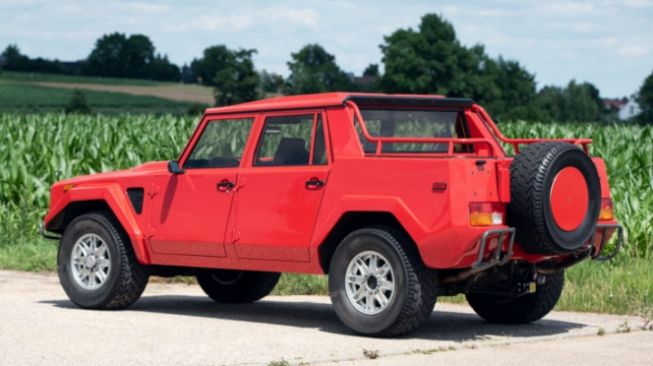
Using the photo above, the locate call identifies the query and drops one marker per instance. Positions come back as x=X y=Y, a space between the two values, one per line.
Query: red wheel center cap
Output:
x=569 y=198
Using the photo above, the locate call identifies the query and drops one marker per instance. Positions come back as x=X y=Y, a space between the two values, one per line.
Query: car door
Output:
x=192 y=208
x=281 y=190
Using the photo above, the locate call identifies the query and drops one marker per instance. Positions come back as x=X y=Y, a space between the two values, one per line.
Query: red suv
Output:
x=398 y=198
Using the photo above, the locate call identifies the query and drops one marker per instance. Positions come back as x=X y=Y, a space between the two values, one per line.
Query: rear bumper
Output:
x=492 y=243
x=495 y=248
x=600 y=238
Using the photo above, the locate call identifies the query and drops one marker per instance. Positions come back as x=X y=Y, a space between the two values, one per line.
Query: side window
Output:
x=221 y=144
x=319 y=145
x=285 y=141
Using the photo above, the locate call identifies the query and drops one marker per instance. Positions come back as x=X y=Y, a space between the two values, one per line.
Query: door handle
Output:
x=314 y=184
x=225 y=186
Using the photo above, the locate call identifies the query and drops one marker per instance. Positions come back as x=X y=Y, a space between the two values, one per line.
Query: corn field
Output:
x=37 y=150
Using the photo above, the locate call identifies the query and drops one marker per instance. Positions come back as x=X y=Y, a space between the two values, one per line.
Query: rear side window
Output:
x=288 y=141
x=411 y=123
x=221 y=144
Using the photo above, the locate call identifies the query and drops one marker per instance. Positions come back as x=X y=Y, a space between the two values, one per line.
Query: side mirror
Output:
x=173 y=167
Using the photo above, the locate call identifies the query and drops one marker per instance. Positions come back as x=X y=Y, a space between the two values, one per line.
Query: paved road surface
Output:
x=178 y=325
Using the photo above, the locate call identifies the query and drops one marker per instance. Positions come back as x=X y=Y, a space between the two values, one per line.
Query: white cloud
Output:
x=610 y=41
x=211 y=23
x=639 y=3
x=276 y=17
x=568 y=9
x=583 y=27
x=633 y=50
x=141 y=7
x=305 y=17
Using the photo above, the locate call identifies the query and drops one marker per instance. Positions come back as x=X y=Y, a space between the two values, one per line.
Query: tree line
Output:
x=428 y=60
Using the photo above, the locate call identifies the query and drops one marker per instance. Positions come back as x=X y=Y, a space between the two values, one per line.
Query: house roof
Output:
x=339 y=98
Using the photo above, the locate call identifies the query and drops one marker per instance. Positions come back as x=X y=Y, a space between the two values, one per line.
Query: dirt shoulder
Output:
x=177 y=92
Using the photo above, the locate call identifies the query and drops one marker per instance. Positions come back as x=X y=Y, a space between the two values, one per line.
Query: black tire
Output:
x=416 y=286
x=523 y=309
x=126 y=279
x=532 y=175
x=229 y=286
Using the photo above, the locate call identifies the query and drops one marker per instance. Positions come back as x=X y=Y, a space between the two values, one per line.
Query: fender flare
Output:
x=394 y=206
x=120 y=207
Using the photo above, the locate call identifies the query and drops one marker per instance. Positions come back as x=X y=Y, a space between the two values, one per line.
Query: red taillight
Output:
x=486 y=213
x=606 y=212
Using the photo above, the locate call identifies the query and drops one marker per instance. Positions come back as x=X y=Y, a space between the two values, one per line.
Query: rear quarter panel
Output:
x=438 y=221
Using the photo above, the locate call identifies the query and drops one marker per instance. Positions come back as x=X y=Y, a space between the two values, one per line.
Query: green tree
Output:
x=576 y=102
x=237 y=82
x=582 y=102
x=117 y=55
x=109 y=57
x=314 y=70
x=213 y=60
x=271 y=82
x=12 y=59
x=422 y=61
x=162 y=69
x=550 y=103
x=372 y=70
x=231 y=72
x=511 y=91
x=645 y=100
x=432 y=60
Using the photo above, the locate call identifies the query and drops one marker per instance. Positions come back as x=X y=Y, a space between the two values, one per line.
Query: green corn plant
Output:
x=38 y=150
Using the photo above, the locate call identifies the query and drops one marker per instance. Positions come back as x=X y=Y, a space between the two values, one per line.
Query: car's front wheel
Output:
x=378 y=286
x=96 y=264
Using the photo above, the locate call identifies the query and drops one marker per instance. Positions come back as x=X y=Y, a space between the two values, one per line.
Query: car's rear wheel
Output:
x=97 y=266
x=378 y=286
x=520 y=310
x=231 y=286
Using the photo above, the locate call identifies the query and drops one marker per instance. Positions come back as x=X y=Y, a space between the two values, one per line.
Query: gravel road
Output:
x=175 y=324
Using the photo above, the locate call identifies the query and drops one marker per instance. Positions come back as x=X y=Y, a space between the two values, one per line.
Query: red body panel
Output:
x=272 y=221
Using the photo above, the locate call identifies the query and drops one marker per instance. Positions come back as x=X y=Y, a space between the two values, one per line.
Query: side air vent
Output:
x=136 y=198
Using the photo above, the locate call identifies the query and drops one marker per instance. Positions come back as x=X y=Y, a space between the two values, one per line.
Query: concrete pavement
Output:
x=176 y=324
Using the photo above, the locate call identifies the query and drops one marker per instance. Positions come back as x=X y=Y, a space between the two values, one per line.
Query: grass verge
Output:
x=624 y=286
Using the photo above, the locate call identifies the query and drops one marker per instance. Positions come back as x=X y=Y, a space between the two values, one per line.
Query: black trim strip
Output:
x=410 y=101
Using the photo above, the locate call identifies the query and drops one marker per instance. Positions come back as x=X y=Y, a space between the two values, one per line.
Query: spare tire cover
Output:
x=555 y=195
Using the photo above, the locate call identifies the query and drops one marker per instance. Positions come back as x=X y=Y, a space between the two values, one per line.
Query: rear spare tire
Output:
x=555 y=198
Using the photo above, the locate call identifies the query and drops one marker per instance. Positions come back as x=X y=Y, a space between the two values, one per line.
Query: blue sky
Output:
x=609 y=43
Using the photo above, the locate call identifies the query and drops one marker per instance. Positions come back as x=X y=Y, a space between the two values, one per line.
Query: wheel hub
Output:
x=90 y=261
x=370 y=283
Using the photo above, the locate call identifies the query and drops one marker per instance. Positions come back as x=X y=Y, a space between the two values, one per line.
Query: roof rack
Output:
x=515 y=142
x=451 y=142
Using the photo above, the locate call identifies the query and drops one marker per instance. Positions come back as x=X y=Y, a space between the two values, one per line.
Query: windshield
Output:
x=411 y=123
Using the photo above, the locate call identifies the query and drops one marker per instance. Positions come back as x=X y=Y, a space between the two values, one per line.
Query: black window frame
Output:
x=317 y=118
x=251 y=120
